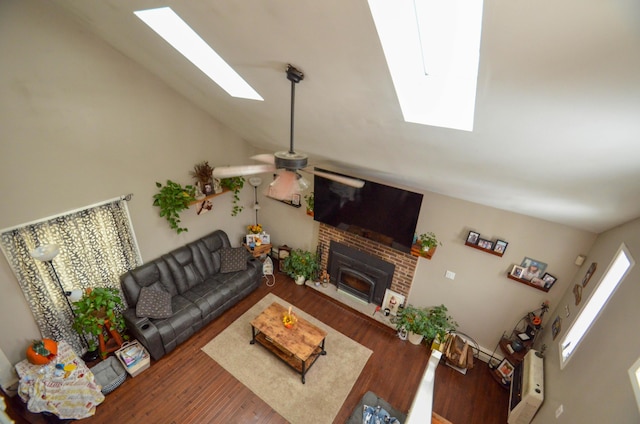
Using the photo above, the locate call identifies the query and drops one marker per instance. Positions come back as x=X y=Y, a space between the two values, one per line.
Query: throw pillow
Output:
x=233 y=259
x=153 y=303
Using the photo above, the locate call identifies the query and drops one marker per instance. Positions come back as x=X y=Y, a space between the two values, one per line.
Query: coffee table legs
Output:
x=304 y=363
x=253 y=335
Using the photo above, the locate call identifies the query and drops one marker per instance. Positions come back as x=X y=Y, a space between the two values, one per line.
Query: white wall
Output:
x=81 y=123
x=594 y=386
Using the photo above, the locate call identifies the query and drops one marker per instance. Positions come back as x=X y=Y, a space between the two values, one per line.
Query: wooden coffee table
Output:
x=299 y=346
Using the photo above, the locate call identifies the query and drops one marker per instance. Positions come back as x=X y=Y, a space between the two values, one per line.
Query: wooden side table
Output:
x=263 y=249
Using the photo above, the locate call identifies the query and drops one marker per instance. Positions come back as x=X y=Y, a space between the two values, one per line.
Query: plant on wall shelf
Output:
x=310 y=200
x=173 y=199
x=428 y=241
x=234 y=184
x=202 y=174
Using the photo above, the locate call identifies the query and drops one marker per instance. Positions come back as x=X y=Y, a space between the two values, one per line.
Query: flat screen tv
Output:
x=378 y=212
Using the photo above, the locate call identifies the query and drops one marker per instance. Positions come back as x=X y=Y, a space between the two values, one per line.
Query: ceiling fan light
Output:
x=284 y=186
x=303 y=184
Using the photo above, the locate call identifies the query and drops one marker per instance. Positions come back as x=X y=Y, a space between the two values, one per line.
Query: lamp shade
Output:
x=45 y=252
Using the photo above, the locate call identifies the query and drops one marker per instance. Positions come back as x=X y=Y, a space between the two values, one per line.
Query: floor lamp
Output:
x=46 y=253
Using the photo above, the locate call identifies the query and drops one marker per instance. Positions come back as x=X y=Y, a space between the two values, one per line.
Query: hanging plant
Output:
x=234 y=184
x=173 y=199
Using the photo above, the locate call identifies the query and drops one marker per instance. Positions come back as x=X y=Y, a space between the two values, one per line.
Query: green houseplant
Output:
x=428 y=241
x=173 y=199
x=97 y=306
x=426 y=322
x=234 y=184
x=301 y=265
x=310 y=200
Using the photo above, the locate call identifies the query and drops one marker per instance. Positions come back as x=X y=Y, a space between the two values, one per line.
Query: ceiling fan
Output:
x=286 y=163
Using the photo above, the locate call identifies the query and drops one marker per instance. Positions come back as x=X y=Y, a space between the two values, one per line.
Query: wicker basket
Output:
x=109 y=374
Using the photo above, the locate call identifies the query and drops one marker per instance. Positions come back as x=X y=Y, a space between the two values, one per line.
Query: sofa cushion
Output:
x=233 y=259
x=153 y=303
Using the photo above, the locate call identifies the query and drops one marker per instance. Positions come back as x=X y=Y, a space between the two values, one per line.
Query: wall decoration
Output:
x=533 y=268
x=485 y=244
x=500 y=246
x=517 y=271
x=473 y=237
x=392 y=301
x=556 y=326
x=589 y=273
x=577 y=292
x=549 y=280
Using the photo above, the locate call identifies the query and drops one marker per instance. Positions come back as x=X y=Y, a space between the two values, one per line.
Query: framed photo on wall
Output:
x=485 y=244
x=549 y=280
x=500 y=246
x=532 y=269
x=517 y=271
x=473 y=237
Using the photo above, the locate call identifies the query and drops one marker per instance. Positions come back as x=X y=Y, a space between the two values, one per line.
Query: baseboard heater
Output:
x=527 y=389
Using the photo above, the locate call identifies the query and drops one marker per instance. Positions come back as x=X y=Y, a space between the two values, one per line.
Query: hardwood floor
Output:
x=186 y=386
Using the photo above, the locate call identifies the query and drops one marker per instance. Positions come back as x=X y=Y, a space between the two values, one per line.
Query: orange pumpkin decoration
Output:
x=42 y=351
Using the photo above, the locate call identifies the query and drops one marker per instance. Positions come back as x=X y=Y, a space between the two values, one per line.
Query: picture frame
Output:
x=589 y=273
x=549 y=280
x=532 y=268
x=295 y=199
x=250 y=238
x=556 y=327
x=392 y=301
x=473 y=237
x=517 y=271
x=485 y=244
x=505 y=369
x=500 y=246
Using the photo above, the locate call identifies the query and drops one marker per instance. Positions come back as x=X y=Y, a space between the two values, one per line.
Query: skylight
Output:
x=432 y=49
x=168 y=25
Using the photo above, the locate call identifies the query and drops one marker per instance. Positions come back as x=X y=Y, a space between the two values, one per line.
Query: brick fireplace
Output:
x=405 y=264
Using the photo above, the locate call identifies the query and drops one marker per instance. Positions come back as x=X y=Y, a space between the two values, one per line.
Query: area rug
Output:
x=328 y=382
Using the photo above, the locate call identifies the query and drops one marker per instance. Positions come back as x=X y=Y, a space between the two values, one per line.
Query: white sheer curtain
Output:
x=97 y=245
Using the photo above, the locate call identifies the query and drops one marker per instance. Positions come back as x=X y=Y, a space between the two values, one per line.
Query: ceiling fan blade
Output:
x=238 y=171
x=351 y=182
x=265 y=158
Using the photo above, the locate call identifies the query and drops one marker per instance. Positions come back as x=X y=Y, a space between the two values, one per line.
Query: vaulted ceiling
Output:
x=557 y=124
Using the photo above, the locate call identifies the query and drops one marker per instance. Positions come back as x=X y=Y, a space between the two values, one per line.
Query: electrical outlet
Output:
x=450 y=275
x=559 y=411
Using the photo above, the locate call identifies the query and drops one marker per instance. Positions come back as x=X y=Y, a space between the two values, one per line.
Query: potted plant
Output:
x=301 y=265
x=234 y=184
x=94 y=309
x=173 y=199
x=309 y=199
x=202 y=174
x=427 y=323
x=428 y=243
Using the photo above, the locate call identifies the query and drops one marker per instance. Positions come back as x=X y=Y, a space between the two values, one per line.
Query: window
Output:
x=634 y=375
x=612 y=278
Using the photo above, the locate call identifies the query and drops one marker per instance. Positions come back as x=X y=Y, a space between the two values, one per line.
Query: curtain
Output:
x=97 y=245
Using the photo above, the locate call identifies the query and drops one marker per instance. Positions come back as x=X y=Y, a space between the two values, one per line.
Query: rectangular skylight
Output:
x=432 y=49
x=168 y=25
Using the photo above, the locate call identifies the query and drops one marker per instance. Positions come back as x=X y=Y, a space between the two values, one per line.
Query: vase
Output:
x=414 y=338
x=300 y=280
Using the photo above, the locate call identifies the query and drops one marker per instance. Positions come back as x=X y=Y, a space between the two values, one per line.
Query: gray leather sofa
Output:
x=189 y=287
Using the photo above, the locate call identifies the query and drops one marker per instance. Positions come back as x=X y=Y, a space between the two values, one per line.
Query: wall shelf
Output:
x=211 y=196
x=528 y=283
x=492 y=252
